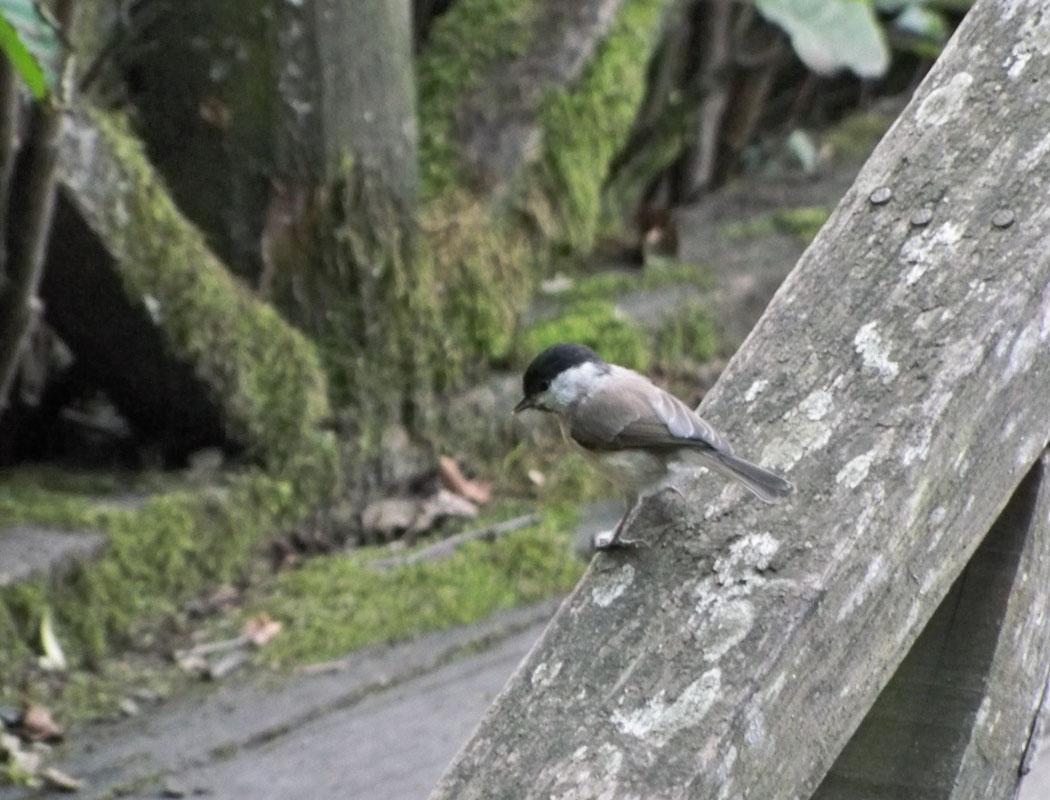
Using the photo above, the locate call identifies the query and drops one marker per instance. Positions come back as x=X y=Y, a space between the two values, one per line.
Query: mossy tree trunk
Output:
x=288 y=133
x=346 y=120
x=189 y=356
x=254 y=110
x=524 y=106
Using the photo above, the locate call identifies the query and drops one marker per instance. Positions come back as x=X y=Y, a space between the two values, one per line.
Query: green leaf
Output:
x=53 y=659
x=831 y=35
x=923 y=22
x=31 y=44
x=893 y=6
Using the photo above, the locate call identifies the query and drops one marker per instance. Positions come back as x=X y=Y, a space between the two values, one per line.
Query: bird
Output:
x=640 y=436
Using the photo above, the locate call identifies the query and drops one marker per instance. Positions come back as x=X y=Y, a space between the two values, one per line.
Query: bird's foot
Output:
x=669 y=488
x=610 y=540
x=607 y=540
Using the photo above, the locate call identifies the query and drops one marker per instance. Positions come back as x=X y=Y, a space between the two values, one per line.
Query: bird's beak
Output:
x=524 y=403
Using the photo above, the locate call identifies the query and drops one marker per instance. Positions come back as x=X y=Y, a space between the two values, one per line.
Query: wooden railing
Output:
x=884 y=632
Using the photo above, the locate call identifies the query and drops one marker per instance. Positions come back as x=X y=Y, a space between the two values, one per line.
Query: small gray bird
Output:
x=632 y=430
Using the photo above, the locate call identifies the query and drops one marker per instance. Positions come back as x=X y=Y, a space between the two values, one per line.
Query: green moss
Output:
x=754 y=228
x=12 y=774
x=332 y=605
x=611 y=284
x=482 y=263
x=265 y=374
x=484 y=268
x=377 y=318
x=803 y=223
x=470 y=37
x=176 y=545
x=585 y=126
x=690 y=333
x=856 y=136
x=597 y=324
x=485 y=261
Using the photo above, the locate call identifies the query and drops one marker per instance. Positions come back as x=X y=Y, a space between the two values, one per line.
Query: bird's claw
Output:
x=611 y=540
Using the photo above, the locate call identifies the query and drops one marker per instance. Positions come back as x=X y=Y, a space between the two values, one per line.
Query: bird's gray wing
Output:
x=632 y=412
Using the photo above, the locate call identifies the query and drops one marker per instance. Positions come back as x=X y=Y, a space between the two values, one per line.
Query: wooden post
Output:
x=901 y=378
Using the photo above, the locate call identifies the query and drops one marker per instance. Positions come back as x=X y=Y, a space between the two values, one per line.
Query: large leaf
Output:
x=925 y=22
x=831 y=35
x=31 y=44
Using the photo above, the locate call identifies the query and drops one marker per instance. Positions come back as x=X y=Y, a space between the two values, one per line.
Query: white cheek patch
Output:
x=572 y=384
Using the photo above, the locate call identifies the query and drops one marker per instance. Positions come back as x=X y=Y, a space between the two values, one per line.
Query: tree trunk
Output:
x=901 y=379
x=532 y=116
x=20 y=279
x=253 y=109
x=288 y=133
x=348 y=115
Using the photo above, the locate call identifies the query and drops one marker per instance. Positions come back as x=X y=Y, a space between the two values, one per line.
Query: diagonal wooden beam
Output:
x=901 y=377
x=955 y=720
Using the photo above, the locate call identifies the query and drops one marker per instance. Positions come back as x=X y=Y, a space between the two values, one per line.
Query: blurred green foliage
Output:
x=31 y=44
x=597 y=324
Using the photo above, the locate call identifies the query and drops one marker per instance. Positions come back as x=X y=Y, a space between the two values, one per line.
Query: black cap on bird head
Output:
x=548 y=365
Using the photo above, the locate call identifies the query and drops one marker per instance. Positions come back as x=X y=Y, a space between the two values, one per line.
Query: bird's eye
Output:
x=545 y=385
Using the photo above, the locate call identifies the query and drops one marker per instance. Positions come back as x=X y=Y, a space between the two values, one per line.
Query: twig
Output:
x=210 y=648
x=9 y=119
x=227 y=664
x=446 y=547
x=18 y=295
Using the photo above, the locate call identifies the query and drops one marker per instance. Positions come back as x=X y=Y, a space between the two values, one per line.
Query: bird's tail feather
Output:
x=762 y=483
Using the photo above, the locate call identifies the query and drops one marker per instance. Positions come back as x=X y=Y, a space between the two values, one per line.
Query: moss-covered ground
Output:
x=133 y=598
x=802 y=222
x=172 y=541
x=330 y=606
x=586 y=311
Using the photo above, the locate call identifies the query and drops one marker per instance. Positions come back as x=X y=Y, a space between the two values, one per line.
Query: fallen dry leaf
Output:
x=60 y=780
x=411 y=516
x=260 y=629
x=39 y=725
x=192 y=663
x=453 y=478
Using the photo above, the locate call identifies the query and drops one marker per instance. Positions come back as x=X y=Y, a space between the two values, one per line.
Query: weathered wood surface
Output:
x=972 y=683
x=901 y=378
